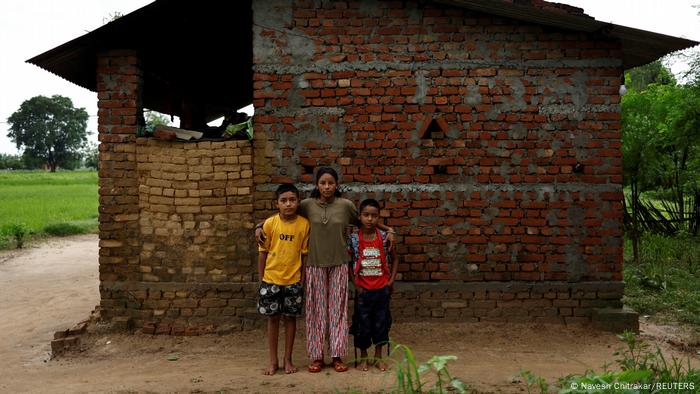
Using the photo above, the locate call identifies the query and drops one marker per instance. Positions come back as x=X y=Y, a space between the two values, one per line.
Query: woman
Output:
x=327 y=269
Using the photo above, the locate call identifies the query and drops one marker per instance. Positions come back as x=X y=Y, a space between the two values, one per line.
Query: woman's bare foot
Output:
x=363 y=365
x=381 y=365
x=289 y=367
x=271 y=370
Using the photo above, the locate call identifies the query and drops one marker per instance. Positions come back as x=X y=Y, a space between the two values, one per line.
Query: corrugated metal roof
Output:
x=638 y=46
x=201 y=50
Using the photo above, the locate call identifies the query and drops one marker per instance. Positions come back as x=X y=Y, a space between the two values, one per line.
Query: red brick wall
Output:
x=497 y=196
x=510 y=202
x=118 y=91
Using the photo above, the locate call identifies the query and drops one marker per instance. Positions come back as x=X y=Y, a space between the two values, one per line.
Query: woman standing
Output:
x=327 y=269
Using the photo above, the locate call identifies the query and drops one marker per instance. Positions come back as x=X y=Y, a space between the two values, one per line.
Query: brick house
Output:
x=489 y=129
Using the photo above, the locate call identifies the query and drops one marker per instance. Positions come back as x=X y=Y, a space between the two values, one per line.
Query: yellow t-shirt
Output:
x=285 y=243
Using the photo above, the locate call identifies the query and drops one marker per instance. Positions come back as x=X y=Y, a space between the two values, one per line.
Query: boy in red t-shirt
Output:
x=370 y=272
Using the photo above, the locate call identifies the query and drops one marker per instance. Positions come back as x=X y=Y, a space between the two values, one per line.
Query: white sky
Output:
x=31 y=27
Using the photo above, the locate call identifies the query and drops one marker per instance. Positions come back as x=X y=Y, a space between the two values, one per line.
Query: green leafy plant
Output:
x=533 y=382
x=4 y=242
x=19 y=232
x=408 y=373
x=438 y=365
x=640 y=370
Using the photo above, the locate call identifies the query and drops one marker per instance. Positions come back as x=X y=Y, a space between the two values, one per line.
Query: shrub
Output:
x=18 y=232
x=4 y=242
x=64 y=229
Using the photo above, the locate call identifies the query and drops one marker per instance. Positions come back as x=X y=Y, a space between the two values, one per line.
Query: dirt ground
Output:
x=52 y=286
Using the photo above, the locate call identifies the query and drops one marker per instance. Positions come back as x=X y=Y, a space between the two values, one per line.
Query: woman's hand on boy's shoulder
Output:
x=390 y=241
x=260 y=236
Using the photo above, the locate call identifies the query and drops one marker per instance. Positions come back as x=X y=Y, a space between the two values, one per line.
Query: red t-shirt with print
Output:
x=371 y=268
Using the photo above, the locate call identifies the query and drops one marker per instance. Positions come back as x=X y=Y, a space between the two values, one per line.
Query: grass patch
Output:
x=649 y=196
x=60 y=203
x=667 y=280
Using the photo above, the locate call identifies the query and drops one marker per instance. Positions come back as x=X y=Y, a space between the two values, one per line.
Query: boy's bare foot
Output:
x=271 y=370
x=381 y=365
x=363 y=365
x=289 y=367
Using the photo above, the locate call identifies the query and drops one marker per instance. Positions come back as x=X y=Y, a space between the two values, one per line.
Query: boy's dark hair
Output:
x=286 y=187
x=369 y=202
x=321 y=171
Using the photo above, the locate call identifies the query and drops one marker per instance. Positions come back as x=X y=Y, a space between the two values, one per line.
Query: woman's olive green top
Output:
x=327 y=247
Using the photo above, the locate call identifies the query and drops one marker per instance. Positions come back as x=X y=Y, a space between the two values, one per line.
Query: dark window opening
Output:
x=308 y=169
x=440 y=170
x=433 y=128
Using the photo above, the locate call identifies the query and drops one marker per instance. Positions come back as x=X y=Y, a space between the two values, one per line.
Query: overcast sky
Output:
x=31 y=27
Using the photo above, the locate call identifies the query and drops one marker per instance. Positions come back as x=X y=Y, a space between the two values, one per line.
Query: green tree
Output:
x=680 y=142
x=50 y=129
x=154 y=118
x=639 y=155
x=90 y=155
x=661 y=148
x=640 y=77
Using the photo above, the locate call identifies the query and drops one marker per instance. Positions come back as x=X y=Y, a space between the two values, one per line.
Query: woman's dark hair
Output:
x=320 y=172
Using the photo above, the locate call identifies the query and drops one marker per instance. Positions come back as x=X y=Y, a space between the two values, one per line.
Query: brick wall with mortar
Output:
x=176 y=252
x=495 y=197
x=490 y=208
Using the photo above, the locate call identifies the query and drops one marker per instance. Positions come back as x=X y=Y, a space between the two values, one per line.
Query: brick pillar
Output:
x=119 y=82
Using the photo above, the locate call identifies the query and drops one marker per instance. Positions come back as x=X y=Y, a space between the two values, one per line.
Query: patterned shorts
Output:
x=276 y=299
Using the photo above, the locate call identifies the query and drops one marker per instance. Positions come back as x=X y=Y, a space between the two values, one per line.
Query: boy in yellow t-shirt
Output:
x=280 y=266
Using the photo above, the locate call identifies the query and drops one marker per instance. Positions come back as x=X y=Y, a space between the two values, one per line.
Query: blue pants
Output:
x=371 y=319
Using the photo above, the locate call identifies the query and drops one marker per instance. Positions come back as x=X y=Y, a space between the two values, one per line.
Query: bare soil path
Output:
x=54 y=285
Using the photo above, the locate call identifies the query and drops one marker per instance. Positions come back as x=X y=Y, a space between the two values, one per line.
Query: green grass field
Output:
x=39 y=202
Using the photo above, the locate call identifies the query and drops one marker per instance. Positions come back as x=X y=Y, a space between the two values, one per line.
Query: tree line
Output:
x=661 y=151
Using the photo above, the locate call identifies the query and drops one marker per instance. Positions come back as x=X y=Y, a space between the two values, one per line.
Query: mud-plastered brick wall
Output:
x=195 y=211
x=176 y=250
x=493 y=144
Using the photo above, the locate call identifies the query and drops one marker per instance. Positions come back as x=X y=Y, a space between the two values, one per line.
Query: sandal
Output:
x=339 y=365
x=316 y=366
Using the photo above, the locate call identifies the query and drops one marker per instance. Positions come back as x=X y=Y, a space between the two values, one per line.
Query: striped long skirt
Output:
x=326 y=308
